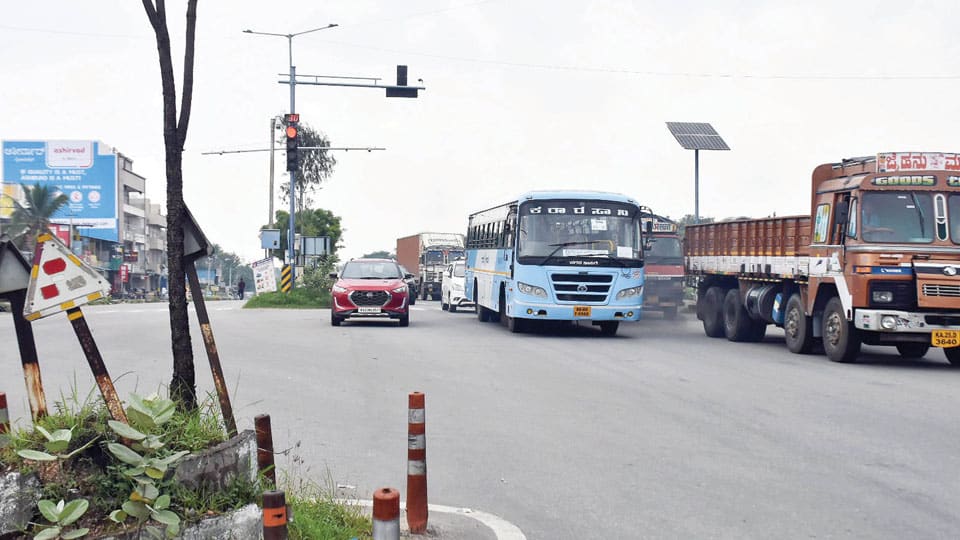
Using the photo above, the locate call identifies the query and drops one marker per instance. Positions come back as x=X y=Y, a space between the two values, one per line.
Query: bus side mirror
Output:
x=648 y=227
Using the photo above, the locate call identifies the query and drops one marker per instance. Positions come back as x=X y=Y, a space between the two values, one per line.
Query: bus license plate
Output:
x=945 y=338
x=368 y=309
x=581 y=311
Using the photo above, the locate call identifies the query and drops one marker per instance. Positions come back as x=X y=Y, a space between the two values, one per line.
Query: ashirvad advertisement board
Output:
x=84 y=171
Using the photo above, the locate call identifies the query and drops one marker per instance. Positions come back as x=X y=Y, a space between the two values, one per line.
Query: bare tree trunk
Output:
x=183 y=384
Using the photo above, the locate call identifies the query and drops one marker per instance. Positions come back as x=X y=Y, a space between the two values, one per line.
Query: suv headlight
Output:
x=630 y=293
x=337 y=288
x=400 y=289
x=531 y=290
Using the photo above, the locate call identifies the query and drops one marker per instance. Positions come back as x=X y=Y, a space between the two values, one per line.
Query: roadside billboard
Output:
x=84 y=171
x=264 y=276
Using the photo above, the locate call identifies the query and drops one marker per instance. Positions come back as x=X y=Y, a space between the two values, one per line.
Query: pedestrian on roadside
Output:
x=241 y=285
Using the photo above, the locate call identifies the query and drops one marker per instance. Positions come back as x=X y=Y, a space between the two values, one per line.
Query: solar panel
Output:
x=697 y=136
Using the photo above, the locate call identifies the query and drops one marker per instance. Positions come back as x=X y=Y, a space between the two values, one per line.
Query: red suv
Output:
x=370 y=288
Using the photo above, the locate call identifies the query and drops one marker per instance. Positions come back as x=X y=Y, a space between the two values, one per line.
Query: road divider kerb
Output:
x=502 y=529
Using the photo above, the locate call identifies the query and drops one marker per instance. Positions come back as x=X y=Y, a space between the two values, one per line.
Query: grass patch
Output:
x=298 y=298
x=317 y=513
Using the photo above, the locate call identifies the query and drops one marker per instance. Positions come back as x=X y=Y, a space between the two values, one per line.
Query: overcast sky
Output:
x=520 y=95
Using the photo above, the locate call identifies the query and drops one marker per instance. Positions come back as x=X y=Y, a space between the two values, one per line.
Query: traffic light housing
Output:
x=293 y=143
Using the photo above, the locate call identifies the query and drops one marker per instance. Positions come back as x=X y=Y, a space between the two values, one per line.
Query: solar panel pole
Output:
x=696 y=186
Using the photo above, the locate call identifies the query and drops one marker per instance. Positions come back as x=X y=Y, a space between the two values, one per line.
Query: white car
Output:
x=451 y=288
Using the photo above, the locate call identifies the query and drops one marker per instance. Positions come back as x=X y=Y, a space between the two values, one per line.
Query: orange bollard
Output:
x=386 y=514
x=274 y=515
x=417 y=465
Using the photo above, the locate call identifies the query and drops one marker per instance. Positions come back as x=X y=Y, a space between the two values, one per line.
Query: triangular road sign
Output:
x=60 y=281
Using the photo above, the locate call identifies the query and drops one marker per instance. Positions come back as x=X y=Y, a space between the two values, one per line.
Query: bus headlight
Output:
x=630 y=293
x=531 y=289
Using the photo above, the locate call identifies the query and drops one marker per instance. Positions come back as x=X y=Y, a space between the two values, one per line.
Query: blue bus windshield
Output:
x=568 y=231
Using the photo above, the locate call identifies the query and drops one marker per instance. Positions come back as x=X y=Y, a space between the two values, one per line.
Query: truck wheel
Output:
x=797 y=327
x=713 y=312
x=913 y=350
x=953 y=355
x=841 y=340
x=736 y=321
x=670 y=313
x=758 y=329
x=609 y=328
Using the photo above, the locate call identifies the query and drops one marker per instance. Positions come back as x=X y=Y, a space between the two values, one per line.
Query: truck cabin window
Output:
x=897 y=216
x=665 y=251
x=433 y=257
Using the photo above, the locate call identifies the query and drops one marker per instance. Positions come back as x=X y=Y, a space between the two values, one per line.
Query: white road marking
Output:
x=502 y=529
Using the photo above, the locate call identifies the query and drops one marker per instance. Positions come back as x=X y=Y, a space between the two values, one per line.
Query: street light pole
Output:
x=293 y=174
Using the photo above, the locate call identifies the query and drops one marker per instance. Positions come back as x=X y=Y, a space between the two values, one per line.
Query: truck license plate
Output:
x=581 y=311
x=368 y=309
x=945 y=338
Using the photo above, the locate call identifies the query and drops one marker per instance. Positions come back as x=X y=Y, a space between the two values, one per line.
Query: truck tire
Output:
x=797 y=327
x=841 y=340
x=423 y=293
x=713 y=312
x=736 y=320
x=913 y=350
x=953 y=355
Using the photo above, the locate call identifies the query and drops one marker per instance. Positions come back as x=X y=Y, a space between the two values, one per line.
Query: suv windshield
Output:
x=897 y=216
x=371 y=270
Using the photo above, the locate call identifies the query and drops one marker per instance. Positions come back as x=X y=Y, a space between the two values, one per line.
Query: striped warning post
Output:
x=4 y=420
x=286 y=278
x=386 y=514
x=274 y=515
x=417 y=464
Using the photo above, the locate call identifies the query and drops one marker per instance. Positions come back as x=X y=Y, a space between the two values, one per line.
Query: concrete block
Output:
x=19 y=494
x=217 y=467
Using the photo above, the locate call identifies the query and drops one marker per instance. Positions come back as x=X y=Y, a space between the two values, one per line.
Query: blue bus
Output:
x=557 y=255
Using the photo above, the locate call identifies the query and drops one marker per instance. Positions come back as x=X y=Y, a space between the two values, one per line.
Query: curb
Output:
x=501 y=528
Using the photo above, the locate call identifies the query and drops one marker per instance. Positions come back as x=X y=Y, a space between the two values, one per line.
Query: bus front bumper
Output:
x=556 y=312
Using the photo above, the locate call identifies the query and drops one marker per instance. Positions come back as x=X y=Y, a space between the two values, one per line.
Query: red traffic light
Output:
x=291 y=132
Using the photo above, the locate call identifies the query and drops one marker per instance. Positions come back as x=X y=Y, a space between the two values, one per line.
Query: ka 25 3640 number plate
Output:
x=945 y=338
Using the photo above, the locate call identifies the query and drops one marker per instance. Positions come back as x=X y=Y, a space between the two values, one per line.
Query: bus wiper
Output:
x=561 y=245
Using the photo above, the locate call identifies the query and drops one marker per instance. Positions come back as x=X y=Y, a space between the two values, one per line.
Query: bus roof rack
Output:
x=854 y=161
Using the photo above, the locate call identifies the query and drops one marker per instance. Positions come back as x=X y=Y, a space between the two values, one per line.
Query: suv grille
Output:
x=581 y=288
x=369 y=298
x=936 y=289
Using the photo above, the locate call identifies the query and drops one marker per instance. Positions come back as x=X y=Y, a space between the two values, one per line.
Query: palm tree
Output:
x=31 y=217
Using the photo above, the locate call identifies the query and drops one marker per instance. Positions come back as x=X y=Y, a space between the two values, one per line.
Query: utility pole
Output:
x=399 y=90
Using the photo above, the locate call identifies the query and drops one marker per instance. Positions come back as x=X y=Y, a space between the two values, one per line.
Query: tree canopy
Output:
x=315 y=167
x=317 y=222
x=31 y=217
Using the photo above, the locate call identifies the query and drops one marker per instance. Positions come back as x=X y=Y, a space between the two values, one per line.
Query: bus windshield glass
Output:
x=897 y=216
x=665 y=250
x=564 y=232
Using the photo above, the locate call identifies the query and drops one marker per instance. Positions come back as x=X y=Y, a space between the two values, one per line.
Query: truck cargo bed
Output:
x=772 y=246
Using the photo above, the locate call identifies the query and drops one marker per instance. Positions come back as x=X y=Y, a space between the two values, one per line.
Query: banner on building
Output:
x=84 y=171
